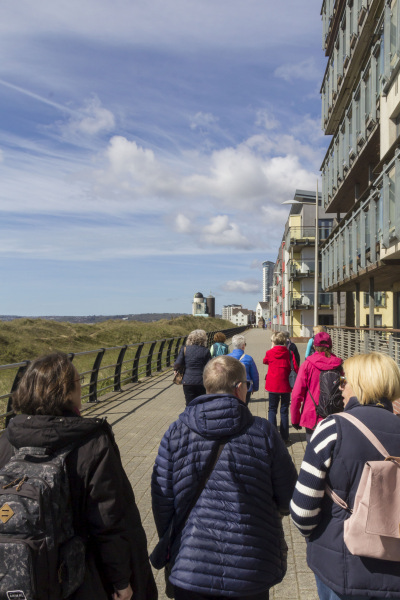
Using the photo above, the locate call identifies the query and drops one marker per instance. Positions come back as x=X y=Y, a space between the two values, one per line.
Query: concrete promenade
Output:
x=142 y=413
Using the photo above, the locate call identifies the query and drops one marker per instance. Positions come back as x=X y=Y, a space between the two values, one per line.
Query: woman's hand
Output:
x=125 y=594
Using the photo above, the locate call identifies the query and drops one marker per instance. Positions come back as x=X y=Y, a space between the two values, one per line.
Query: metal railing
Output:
x=347 y=341
x=305 y=300
x=130 y=363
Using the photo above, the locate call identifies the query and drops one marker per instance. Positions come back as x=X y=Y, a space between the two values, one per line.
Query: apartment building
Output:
x=361 y=169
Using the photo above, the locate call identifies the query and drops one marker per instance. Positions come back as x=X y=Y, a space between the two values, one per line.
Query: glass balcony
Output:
x=305 y=300
x=301 y=268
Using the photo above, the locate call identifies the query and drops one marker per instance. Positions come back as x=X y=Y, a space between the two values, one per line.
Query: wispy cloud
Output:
x=305 y=70
x=247 y=286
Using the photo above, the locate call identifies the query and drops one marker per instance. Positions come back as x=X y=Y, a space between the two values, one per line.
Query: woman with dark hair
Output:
x=191 y=360
x=47 y=402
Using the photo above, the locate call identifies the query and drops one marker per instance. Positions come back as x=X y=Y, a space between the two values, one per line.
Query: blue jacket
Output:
x=232 y=543
x=327 y=554
x=251 y=369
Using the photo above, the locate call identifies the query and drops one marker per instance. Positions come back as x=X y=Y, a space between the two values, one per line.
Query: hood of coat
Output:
x=216 y=415
x=51 y=432
x=279 y=351
x=321 y=362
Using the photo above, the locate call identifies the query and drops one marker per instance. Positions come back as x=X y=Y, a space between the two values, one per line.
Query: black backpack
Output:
x=40 y=556
x=330 y=395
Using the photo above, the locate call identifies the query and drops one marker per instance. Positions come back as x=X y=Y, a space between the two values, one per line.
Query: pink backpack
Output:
x=373 y=529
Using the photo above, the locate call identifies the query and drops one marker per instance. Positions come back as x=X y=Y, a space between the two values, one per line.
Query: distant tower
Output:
x=199 y=306
x=210 y=301
x=268 y=274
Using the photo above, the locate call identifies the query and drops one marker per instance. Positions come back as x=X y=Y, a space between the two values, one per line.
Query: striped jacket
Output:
x=336 y=456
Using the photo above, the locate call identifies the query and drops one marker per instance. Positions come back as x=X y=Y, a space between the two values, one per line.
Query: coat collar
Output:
x=381 y=403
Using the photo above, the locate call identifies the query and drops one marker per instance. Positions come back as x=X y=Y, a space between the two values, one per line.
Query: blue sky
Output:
x=146 y=147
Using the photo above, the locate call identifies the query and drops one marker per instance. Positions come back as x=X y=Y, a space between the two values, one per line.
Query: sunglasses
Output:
x=342 y=380
x=248 y=383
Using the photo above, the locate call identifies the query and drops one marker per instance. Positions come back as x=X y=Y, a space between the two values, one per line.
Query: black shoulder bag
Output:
x=161 y=554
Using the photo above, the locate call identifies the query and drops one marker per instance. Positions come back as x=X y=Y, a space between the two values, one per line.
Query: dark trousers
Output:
x=181 y=594
x=192 y=391
x=284 y=399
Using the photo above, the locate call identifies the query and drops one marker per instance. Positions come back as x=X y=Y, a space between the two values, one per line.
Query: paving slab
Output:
x=141 y=414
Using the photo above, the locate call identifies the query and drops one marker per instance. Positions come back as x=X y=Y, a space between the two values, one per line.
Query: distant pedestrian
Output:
x=219 y=348
x=279 y=360
x=191 y=360
x=238 y=352
x=230 y=541
x=310 y=345
x=291 y=346
x=306 y=389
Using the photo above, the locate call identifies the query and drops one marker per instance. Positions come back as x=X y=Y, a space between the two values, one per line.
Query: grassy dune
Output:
x=25 y=339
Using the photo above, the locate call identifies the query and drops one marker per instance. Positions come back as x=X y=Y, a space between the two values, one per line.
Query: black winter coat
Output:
x=103 y=502
x=193 y=359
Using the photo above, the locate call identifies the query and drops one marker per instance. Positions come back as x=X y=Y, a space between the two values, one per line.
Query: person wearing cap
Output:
x=302 y=409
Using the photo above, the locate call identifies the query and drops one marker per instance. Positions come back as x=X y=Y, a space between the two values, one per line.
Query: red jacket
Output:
x=302 y=408
x=277 y=378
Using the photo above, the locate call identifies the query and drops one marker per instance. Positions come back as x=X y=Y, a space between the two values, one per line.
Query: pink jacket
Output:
x=302 y=409
x=277 y=378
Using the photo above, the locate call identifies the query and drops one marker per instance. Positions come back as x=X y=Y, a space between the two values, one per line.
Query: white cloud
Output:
x=222 y=232
x=92 y=119
x=203 y=121
x=305 y=70
x=266 y=120
x=246 y=286
x=183 y=224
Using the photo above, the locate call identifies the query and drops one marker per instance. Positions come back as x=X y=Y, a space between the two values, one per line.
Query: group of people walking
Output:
x=222 y=480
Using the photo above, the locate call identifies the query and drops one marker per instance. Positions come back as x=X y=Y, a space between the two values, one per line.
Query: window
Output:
x=392 y=201
x=379 y=298
x=367 y=232
x=367 y=83
x=324 y=228
x=393 y=34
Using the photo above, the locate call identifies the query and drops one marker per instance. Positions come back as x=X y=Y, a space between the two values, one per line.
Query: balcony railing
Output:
x=300 y=269
x=305 y=300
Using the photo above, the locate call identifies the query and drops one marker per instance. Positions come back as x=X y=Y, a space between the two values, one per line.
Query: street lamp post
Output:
x=316 y=268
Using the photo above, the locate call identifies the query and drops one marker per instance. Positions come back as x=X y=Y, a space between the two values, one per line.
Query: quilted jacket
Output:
x=232 y=543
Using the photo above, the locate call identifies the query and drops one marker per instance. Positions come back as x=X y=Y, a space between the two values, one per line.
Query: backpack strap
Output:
x=367 y=432
x=242 y=357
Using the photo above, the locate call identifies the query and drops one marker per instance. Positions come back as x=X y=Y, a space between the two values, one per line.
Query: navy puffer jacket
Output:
x=232 y=543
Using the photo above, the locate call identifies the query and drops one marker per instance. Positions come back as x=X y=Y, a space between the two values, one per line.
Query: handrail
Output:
x=124 y=369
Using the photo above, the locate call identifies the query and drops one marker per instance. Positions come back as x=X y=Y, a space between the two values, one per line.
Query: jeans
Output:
x=274 y=399
x=181 y=594
x=325 y=593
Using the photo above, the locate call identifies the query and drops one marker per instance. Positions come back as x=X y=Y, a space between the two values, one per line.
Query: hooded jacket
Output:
x=232 y=542
x=103 y=503
x=278 y=361
x=302 y=408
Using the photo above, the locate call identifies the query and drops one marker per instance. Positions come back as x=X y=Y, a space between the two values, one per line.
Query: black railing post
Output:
x=135 y=368
x=159 y=355
x=168 y=360
x=95 y=376
x=149 y=359
x=118 y=369
x=14 y=386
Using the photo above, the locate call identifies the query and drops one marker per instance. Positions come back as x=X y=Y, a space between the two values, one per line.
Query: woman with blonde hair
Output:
x=310 y=345
x=336 y=455
x=191 y=360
